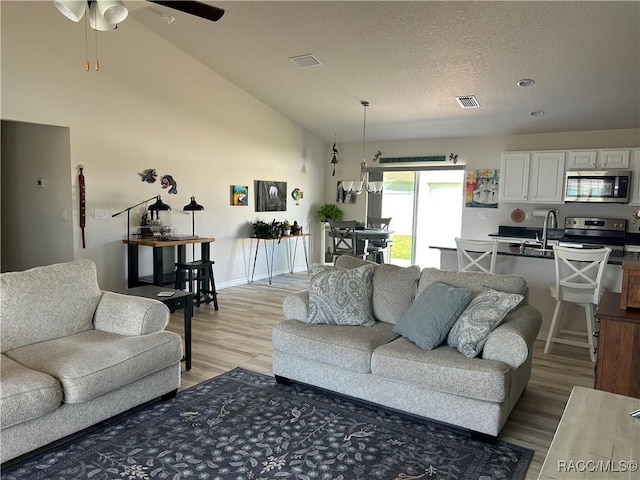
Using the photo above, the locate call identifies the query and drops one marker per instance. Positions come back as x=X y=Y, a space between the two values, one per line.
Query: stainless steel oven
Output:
x=593 y=232
x=603 y=186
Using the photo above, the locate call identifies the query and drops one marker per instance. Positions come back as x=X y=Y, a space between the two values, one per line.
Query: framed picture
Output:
x=271 y=196
x=239 y=195
x=344 y=197
x=482 y=188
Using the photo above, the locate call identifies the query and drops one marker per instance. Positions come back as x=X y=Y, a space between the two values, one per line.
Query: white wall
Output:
x=151 y=106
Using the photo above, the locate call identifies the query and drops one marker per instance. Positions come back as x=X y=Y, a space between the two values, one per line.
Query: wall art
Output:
x=271 y=196
x=239 y=195
x=167 y=181
x=344 y=197
x=482 y=188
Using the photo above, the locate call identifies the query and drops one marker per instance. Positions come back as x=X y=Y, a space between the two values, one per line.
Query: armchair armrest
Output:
x=129 y=315
x=295 y=306
x=512 y=341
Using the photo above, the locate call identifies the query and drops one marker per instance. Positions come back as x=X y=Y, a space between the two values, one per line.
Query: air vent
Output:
x=304 y=61
x=468 y=101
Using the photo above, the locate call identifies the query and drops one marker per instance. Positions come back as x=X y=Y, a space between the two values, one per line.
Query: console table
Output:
x=158 y=261
x=618 y=361
x=291 y=251
x=595 y=439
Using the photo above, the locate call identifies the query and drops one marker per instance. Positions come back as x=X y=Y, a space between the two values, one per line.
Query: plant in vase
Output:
x=286 y=228
x=267 y=230
x=329 y=211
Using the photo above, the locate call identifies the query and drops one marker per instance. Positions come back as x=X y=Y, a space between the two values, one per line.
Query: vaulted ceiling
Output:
x=411 y=59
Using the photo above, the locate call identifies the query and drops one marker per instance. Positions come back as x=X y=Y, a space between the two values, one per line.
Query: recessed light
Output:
x=537 y=113
x=526 y=82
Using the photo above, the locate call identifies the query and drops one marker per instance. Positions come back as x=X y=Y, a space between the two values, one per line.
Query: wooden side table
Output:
x=618 y=362
x=178 y=300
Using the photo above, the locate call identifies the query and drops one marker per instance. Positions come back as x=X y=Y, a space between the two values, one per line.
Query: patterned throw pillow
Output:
x=482 y=315
x=427 y=322
x=341 y=296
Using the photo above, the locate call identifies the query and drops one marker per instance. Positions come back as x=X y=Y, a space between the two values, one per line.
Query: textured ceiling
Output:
x=411 y=59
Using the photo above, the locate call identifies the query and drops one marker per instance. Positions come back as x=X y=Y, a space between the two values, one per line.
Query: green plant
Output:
x=267 y=230
x=329 y=211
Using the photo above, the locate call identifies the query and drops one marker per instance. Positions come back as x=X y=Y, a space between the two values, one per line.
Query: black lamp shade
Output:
x=159 y=206
x=192 y=206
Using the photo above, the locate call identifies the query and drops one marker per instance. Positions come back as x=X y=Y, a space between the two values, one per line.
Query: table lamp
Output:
x=193 y=206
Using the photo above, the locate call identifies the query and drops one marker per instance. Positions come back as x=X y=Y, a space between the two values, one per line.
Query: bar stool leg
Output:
x=214 y=293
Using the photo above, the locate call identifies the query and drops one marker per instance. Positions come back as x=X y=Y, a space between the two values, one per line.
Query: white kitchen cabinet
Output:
x=635 y=177
x=546 y=179
x=609 y=159
x=532 y=177
x=514 y=176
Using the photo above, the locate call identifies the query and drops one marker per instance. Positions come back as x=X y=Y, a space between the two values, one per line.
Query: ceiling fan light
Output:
x=113 y=11
x=72 y=9
x=97 y=21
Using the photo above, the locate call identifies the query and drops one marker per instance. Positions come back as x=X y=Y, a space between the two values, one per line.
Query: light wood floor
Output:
x=239 y=335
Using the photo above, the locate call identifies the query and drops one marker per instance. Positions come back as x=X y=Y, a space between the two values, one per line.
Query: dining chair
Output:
x=578 y=280
x=475 y=255
x=380 y=248
x=345 y=241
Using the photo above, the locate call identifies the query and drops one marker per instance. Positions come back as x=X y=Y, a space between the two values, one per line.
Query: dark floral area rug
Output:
x=243 y=426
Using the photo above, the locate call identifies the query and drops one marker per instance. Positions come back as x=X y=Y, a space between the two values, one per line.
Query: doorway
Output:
x=426 y=210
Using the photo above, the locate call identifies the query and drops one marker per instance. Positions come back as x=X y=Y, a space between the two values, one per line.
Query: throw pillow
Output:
x=341 y=296
x=482 y=315
x=427 y=322
x=394 y=290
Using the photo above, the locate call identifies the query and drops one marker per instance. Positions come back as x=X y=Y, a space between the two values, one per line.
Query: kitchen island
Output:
x=538 y=269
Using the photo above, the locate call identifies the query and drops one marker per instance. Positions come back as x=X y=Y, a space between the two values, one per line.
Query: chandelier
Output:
x=359 y=186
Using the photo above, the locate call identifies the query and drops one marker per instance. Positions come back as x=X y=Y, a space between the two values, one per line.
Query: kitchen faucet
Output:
x=554 y=224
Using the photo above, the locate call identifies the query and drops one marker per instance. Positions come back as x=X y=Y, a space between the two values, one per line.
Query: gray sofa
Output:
x=73 y=355
x=377 y=365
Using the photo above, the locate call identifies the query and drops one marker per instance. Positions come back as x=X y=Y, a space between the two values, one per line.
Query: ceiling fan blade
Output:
x=199 y=9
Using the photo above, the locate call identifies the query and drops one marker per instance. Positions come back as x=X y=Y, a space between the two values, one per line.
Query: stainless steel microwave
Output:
x=604 y=186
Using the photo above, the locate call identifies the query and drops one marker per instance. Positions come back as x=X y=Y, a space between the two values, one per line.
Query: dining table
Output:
x=159 y=278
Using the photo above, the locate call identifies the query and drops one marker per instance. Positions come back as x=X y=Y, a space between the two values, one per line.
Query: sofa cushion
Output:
x=25 y=394
x=443 y=369
x=476 y=281
x=428 y=321
x=49 y=302
x=343 y=346
x=91 y=363
x=482 y=315
x=347 y=261
x=341 y=296
x=394 y=289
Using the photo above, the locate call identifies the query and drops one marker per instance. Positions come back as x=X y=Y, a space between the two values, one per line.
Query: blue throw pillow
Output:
x=428 y=321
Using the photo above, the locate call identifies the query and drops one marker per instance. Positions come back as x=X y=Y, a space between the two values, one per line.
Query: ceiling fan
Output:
x=105 y=15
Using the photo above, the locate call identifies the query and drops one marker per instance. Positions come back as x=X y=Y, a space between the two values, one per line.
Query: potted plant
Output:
x=329 y=211
x=286 y=228
x=295 y=228
x=267 y=230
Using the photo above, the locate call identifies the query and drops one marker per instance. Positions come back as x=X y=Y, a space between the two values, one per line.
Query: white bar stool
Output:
x=473 y=255
x=578 y=280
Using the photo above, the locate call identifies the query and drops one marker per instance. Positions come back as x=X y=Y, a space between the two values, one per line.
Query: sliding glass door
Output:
x=426 y=210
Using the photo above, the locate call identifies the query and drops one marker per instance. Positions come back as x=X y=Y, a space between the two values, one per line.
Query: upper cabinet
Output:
x=532 y=177
x=610 y=159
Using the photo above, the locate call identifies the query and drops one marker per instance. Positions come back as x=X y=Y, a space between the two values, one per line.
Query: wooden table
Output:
x=596 y=439
x=133 y=272
x=618 y=362
x=179 y=299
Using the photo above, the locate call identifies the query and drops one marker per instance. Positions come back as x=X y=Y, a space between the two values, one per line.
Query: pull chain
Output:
x=86 y=44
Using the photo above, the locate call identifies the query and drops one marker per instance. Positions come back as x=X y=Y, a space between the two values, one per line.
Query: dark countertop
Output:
x=514 y=250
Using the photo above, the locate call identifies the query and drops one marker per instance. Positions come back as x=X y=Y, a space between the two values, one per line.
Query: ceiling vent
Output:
x=304 y=61
x=468 y=101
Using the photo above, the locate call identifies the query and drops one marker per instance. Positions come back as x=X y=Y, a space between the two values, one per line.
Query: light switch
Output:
x=101 y=214
x=42 y=182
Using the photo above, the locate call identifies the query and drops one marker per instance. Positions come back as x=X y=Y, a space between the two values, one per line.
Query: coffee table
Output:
x=596 y=438
x=179 y=299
